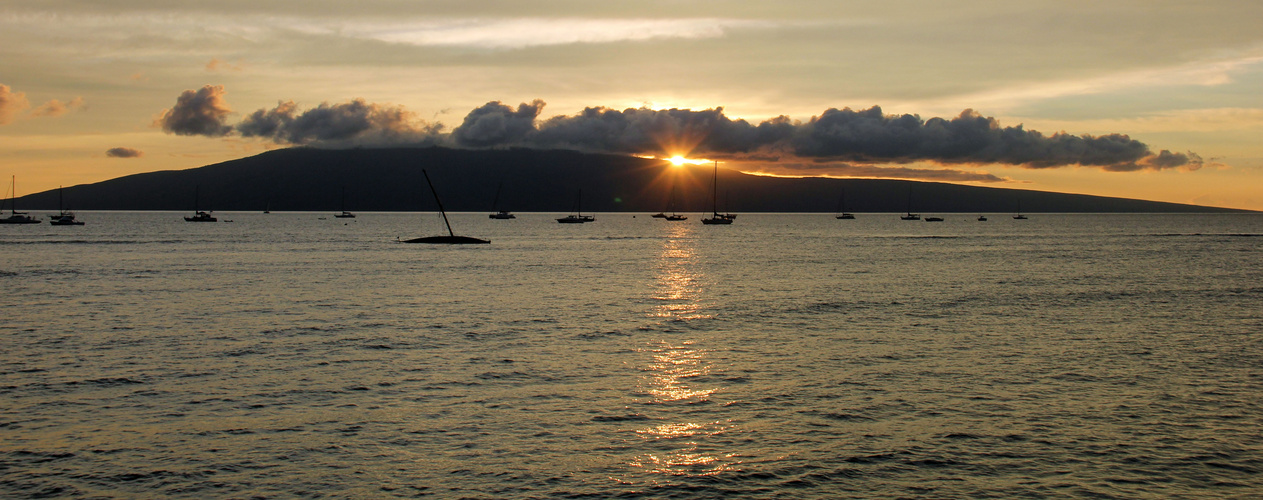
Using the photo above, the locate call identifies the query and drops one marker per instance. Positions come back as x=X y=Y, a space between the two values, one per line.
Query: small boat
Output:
x=670 y=205
x=982 y=218
x=577 y=217
x=345 y=214
x=198 y=215
x=842 y=213
x=502 y=214
x=717 y=218
x=910 y=215
x=63 y=217
x=1019 y=215
x=16 y=217
x=934 y=219
x=451 y=238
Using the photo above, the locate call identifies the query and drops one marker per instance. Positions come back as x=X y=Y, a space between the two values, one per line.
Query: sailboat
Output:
x=1019 y=215
x=345 y=214
x=198 y=215
x=63 y=217
x=910 y=216
x=671 y=205
x=503 y=214
x=577 y=217
x=841 y=213
x=451 y=237
x=716 y=217
x=16 y=217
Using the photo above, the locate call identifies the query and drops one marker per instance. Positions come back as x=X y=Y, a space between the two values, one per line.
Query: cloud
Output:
x=58 y=108
x=1164 y=160
x=872 y=171
x=124 y=153
x=198 y=112
x=841 y=136
x=495 y=123
x=217 y=64
x=520 y=33
x=11 y=104
x=859 y=137
x=357 y=122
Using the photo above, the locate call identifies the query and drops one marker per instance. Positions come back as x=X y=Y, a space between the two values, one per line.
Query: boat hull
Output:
x=449 y=240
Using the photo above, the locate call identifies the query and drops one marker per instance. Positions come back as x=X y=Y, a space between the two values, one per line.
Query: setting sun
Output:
x=680 y=161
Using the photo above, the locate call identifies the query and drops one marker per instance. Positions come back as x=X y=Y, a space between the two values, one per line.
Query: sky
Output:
x=1152 y=99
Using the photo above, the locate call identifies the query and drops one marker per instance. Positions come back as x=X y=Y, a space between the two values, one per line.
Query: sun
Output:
x=680 y=161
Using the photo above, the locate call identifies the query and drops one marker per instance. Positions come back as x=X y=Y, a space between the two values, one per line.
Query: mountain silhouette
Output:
x=529 y=180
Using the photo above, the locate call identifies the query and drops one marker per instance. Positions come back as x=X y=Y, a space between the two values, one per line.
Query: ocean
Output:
x=295 y=355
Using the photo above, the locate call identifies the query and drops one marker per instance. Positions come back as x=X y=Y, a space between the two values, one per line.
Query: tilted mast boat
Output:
x=451 y=237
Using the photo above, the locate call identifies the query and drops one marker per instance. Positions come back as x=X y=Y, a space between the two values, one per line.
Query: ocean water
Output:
x=294 y=355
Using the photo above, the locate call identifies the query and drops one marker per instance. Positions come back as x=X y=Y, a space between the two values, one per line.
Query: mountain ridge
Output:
x=531 y=180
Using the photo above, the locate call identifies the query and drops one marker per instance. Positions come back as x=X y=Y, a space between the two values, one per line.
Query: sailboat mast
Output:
x=714 y=191
x=436 y=200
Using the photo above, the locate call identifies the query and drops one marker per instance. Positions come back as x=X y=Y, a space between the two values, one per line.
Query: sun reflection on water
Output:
x=678 y=287
x=676 y=385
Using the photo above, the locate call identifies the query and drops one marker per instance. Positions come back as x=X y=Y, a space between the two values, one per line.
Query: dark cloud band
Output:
x=842 y=136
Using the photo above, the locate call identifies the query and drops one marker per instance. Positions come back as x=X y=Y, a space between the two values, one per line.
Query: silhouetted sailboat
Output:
x=577 y=217
x=64 y=217
x=345 y=214
x=16 y=217
x=671 y=206
x=451 y=237
x=716 y=217
x=198 y=215
x=1019 y=215
x=910 y=216
x=842 y=213
x=502 y=214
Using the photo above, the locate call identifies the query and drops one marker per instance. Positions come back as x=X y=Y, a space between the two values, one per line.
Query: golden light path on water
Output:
x=672 y=365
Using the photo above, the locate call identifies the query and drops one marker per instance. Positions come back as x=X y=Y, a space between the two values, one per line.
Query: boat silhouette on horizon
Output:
x=451 y=238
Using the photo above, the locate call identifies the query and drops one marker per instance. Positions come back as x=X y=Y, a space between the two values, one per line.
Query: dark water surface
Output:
x=785 y=356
